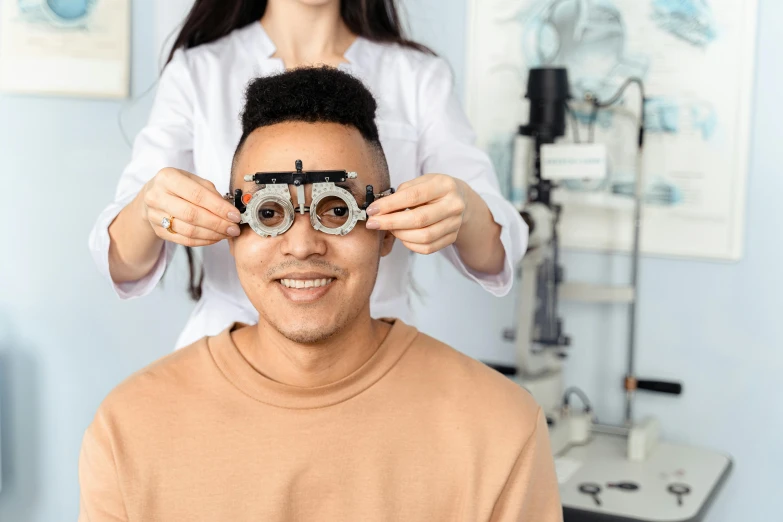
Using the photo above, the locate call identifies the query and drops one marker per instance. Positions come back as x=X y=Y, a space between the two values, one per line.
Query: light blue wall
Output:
x=65 y=340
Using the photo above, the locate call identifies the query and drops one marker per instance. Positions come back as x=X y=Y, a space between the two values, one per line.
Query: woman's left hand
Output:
x=434 y=208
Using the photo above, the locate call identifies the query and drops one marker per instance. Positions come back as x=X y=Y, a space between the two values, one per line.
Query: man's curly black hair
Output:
x=313 y=95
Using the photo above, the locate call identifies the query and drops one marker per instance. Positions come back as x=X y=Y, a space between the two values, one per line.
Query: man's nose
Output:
x=302 y=240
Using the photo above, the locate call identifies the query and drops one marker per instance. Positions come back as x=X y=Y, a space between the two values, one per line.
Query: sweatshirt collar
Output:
x=247 y=379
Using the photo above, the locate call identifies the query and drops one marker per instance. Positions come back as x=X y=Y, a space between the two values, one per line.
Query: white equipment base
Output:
x=604 y=460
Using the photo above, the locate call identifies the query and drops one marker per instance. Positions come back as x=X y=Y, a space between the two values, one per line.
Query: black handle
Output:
x=674 y=388
x=502 y=368
x=369 y=197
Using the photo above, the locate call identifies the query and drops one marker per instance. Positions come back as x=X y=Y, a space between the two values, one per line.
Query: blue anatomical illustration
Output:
x=590 y=38
x=57 y=13
x=586 y=36
x=690 y=20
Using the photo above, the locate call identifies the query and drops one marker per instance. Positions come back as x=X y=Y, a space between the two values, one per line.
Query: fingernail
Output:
x=235 y=217
x=373 y=225
x=372 y=211
x=234 y=231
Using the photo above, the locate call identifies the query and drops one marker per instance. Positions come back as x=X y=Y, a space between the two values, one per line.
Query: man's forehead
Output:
x=320 y=146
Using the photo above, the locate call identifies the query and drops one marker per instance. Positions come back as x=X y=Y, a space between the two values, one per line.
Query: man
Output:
x=318 y=412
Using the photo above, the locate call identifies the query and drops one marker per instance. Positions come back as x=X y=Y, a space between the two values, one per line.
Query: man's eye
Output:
x=337 y=211
x=271 y=214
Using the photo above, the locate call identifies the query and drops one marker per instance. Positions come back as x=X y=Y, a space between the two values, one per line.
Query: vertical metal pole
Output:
x=632 y=312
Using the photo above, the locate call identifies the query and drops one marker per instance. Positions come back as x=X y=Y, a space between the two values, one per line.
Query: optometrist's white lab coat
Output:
x=194 y=126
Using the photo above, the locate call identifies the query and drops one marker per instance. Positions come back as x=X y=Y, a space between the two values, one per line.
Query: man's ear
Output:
x=387 y=243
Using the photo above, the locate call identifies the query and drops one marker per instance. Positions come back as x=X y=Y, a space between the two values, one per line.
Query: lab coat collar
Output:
x=259 y=44
x=265 y=43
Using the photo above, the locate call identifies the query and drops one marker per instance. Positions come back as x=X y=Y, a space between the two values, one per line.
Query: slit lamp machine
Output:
x=620 y=472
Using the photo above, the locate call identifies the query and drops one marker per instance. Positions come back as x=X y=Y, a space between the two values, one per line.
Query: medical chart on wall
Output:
x=65 y=48
x=696 y=59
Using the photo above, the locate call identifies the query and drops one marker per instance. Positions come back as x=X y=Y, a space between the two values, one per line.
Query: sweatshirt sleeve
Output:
x=531 y=491
x=100 y=497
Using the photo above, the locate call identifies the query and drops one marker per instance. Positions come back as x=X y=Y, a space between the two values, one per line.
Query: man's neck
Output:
x=310 y=365
x=306 y=35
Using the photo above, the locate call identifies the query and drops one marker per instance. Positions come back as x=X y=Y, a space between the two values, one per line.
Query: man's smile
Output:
x=305 y=283
x=305 y=287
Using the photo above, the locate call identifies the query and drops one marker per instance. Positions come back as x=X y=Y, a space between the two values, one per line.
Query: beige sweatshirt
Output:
x=420 y=432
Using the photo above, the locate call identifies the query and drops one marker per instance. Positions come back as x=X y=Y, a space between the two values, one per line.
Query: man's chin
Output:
x=310 y=333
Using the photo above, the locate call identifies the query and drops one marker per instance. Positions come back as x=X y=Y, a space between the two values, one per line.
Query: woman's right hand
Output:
x=200 y=214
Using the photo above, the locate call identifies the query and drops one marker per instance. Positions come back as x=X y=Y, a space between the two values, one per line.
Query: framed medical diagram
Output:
x=696 y=59
x=65 y=47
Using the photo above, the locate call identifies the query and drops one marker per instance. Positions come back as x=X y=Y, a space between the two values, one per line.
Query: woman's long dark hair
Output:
x=209 y=20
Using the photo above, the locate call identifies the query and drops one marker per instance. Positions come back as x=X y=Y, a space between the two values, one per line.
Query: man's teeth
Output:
x=305 y=283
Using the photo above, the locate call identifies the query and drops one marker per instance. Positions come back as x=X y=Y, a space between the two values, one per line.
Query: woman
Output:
x=170 y=192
